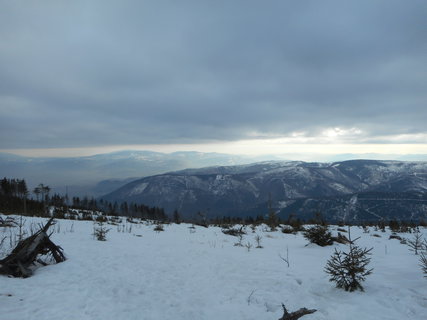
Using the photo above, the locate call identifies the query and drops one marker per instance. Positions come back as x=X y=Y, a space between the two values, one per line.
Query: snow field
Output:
x=179 y=274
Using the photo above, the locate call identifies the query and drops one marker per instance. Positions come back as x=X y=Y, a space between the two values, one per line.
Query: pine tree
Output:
x=348 y=270
x=22 y=188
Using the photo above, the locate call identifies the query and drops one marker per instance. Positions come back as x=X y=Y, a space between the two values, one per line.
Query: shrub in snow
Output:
x=296 y=224
x=240 y=242
x=287 y=229
x=101 y=219
x=234 y=231
x=395 y=236
x=159 y=228
x=258 y=241
x=394 y=225
x=381 y=225
x=348 y=270
x=272 y=220
x=192 y=228
x=319 y=235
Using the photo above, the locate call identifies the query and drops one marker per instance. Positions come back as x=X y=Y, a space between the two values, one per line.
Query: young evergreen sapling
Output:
x=423 y=262
x=416 y=244
x=349 y=270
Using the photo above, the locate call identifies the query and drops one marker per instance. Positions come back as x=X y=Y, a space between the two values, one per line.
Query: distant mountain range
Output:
x=350 y=190
x=99 y=174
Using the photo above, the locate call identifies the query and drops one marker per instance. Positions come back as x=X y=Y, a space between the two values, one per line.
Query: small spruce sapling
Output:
x=100 y=231
x=416 y=243
x=423 y=258
x=348 y=270
x=423 y=263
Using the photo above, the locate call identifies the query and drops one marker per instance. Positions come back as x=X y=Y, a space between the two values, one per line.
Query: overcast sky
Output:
x=344 y=75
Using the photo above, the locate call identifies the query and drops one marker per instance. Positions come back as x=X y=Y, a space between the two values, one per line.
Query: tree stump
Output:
x=18 y=262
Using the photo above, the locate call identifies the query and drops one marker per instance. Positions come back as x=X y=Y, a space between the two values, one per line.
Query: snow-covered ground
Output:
x=182 y=274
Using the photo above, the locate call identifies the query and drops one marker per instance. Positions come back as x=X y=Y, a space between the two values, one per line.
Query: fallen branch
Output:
x=342 y=239
x=250 y=297
x=295 y=315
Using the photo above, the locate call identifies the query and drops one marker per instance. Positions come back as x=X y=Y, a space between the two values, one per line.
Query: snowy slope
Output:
x=178 y=274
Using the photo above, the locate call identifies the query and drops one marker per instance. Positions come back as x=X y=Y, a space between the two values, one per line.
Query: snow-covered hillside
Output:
x=297 y=187
x=102 y=173
x=185 y=273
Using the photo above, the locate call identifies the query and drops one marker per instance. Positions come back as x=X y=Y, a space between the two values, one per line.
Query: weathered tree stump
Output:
x=18 y=262
x=295 y=315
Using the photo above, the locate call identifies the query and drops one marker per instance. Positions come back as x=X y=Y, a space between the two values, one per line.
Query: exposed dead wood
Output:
x=341 y=239
x=18 y=262
x=295 y=315
x=234 y=231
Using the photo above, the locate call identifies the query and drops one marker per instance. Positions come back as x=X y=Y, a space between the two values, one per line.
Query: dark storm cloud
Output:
x=86 y=73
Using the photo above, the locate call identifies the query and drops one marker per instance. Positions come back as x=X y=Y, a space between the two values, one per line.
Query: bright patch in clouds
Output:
x=340 y=132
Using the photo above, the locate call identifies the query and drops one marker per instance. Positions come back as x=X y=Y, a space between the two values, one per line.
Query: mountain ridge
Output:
x=291 y=187
x=81 y=175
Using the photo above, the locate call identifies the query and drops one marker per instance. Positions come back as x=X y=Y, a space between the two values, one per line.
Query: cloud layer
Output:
x=87 y=73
